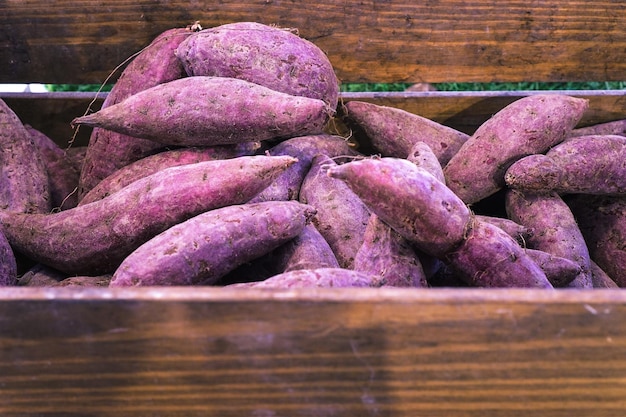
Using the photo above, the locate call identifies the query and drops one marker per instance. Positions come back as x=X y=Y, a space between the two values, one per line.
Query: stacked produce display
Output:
x=213 y=162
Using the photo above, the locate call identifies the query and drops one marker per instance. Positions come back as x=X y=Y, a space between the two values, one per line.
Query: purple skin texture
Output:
x=387 y=254
x=393 y=132
x=153 y=163
x=108 y=151
x=602 y=221
x=489 y=257
x=341 y=215
x=206 y=247
x=530 y=125
x=23 y=177
x=266 y=55
x=584 y=165
x=316 y=278
x=93 y=239
x=208 y=111
x=555 y=229
x=304 y=148
x=410 y=200
x=516 y=231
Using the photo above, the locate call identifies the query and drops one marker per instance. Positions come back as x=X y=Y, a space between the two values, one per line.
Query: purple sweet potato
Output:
x=8 y=263
x=488 y=257
x=555 y=230
x=308 y=250
x=41 y=276
x=108 y=151
x=165 y=159
x=23 y=176
x=600 y=278
x=316 y=278
x=94 y=238
x=63 y=174
x=409 y=199
x=527 y=126
x=423 y=156
x=266 y=55
x=304 y=148
x=208 y=111
x=386 y=253
x=602 y=221
x=616 y=127
x=341 y=215
x=203 y=249
x=85 y=281
x=517 y=231
x=586 y=164
x=392 y=132
x=559 y=271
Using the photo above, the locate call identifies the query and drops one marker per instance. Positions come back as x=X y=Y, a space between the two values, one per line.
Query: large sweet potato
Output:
x=409 y=199
x=203 y=249
x=23 y=176
x=266 y=55
x=108 y=151
x=555 y=229
x=593 y=164
x=165 y=159
x=94 y=238
x=527 y=126
x=8 y=263
x=341 y=215
x=207 y=111
x=393 y=132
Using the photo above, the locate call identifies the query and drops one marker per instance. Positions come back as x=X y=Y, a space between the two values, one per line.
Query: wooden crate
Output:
x=364 y=352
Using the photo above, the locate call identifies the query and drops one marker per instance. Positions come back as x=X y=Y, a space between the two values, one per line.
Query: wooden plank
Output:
x=226 y=352
x=53 y=112
x=367 y=41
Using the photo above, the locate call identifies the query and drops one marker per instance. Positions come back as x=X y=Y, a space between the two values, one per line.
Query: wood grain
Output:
x=367 y=41
x=399 y=352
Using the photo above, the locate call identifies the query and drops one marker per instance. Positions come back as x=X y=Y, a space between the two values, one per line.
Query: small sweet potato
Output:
x=409 y=199
x=23 y=176
x=602 y=221
x=555 y=229
x=41 y=276
x=204 y=248
x=530 y=125
x=276 y=58
x=94 y=238
x=308 y=250
x=386 y=253
x=586 y=164
x=616 y=127
x=8 y=263
x=316 y=278
x=304 y=148
x=341 y=215
x=517 y=231
x=108 y=151
x=600 y=278
x=63 y=174
x=488 y=257
x=165 y=159
x=423 y=156
x=392 y=132
x=559 y=271
x=208 y=111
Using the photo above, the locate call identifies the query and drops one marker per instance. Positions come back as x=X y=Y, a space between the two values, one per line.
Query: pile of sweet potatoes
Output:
x=213 y=162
